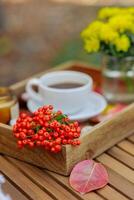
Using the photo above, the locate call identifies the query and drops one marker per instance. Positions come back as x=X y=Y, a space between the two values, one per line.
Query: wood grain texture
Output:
x=116 y=178
x=22 y=182
x=102 y=137
x=110 y=193
x=131 y=138
x=122 y=156
x=127 y=146
x=117 y=166
x=65 y=183
x=9 y=189
x=37 y=156
x=43 y=180
x=120 y=185
x=107 y=192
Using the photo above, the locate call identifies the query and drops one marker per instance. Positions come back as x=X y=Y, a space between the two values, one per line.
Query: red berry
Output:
x=69 y=141
x=24 y=142
x=23 y=124
x=59 y=112
x=70 y=134
x=41 y=138
x=46 y=135
x=46 y=118
x=78 y=129
x=25 y=131
x=28 y=126
x=35 y=137
x=38 y=143
x=50 y=144
x=46 y=124
x=62 y=136
x=73 y=130
x=62 y=132
x=53 y=149
x=57 y=129
x=20 y=144
x=67 y=129
x=58 y=141
x=55 y=134
x=41 y=122
x=50 y=107
x=49 y=137
x=45 y=143
x=41 y=132
x=58 y=148
x=23 y=115
x=64 y=141
x=14 y=128
x=31 y=144
x=78 y=142
x=74 y=143
x=30 y=132
x=75 y=135
x=76 y=124
x=22 y=135
x=51 y=124
x=17 y=135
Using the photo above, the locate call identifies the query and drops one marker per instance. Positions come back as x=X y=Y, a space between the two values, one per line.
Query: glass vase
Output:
x=118 y=79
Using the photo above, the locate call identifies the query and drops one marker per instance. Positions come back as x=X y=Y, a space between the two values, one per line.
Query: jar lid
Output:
x=5 y=94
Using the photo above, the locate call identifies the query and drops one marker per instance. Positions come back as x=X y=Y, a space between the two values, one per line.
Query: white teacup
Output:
x=65 y=90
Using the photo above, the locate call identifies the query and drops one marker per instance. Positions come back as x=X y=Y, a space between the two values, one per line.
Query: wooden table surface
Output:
x=26 y=182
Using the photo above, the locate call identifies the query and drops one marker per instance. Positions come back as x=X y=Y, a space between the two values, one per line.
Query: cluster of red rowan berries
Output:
x=47 y=129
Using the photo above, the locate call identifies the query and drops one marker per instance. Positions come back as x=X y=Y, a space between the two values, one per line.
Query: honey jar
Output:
x=9 y=107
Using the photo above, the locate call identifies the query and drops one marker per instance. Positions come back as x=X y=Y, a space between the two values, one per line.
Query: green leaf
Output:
x=37 y=128
x=60 y=117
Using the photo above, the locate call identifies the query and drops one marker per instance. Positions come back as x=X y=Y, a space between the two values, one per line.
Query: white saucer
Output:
x=95 y=105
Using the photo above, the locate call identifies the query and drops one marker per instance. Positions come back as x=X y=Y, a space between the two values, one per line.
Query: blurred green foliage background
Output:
x=73 y=50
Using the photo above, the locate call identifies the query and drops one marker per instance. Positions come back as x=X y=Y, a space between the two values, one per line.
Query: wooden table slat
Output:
x=43 y=180
x=9 y=189
x=22 y=182
x=122 y=156
x=104 y=192
x=119 y=182
x=117 y=166
x=64 y=182
x=111 y=194
x=126 y=146
x=131 y=138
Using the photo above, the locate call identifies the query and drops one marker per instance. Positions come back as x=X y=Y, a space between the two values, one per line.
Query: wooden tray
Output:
x=93 y=142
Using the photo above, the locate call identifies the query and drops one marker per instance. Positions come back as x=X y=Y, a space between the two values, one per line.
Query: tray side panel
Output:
x=38 y=156
x=102 y=137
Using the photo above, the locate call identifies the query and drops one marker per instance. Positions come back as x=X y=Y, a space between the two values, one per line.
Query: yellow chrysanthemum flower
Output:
x=92 y=30
x=131 y=10
x=108 y=12
x=112 y=27
x=91 y=45
x=122 y=43
x=122 y=23
x=107 y=34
